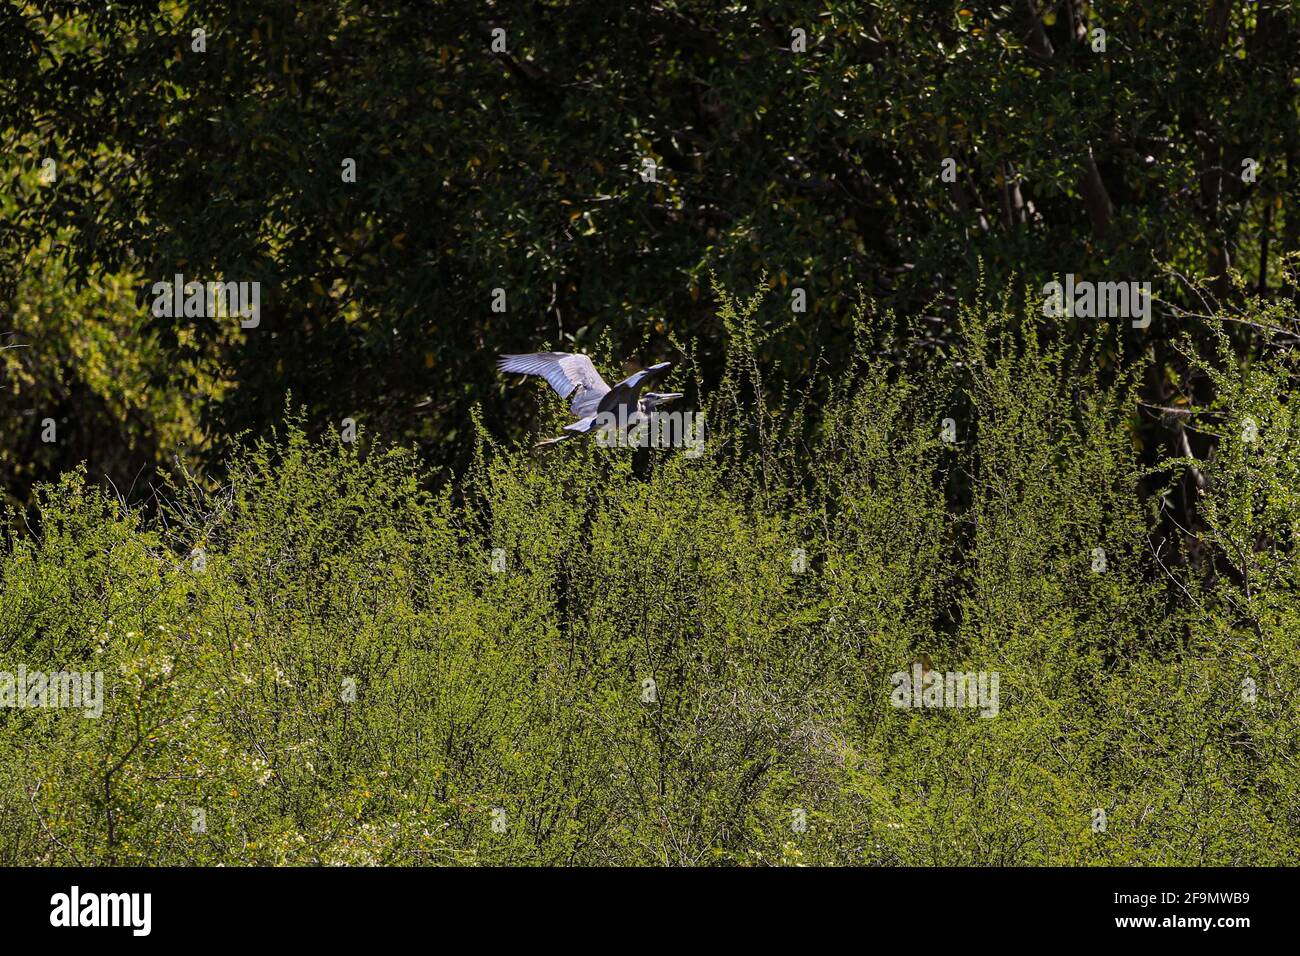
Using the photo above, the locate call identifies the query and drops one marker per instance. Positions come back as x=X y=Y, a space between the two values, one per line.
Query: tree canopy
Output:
x=599 y=164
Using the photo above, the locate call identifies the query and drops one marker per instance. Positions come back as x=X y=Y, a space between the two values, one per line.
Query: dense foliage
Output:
x=514 y=161
x=433 y=645
x=324 y=662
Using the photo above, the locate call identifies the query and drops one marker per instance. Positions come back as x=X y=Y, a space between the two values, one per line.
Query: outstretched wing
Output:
x=627 y=392
x=567 y=372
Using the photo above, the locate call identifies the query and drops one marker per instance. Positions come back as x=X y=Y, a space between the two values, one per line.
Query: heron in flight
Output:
x=594 y=404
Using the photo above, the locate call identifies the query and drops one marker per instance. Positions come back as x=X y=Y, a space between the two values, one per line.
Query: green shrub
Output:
x=580 y=658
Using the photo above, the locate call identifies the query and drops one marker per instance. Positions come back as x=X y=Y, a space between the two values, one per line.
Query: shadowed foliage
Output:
x=515 y=161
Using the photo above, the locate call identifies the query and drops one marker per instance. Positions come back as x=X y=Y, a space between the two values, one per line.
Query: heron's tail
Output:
x=581 y=427
x=550 y=441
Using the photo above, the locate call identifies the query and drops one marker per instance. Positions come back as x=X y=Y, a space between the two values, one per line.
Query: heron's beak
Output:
x=661 y=367
x=670 y=396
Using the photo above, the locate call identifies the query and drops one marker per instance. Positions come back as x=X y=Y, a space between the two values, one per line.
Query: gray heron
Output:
x=595 y=404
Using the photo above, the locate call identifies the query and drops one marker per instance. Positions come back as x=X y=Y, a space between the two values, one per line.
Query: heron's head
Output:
x=653 y=400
